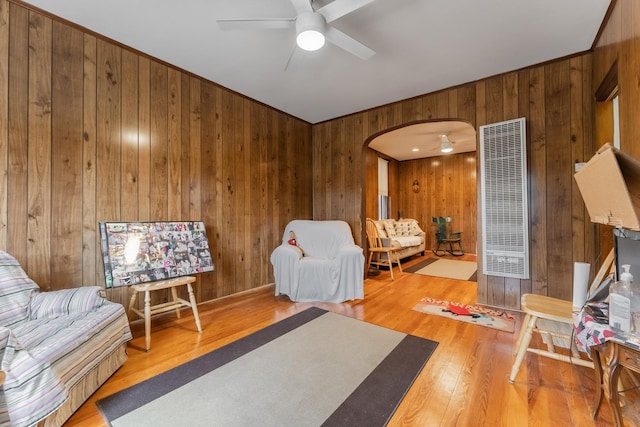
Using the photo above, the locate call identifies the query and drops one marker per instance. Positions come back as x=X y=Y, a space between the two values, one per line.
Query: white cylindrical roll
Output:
x=580 y=283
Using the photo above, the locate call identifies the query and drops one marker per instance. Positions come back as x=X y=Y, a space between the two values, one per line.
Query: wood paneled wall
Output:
x=447 y=188
x=556 y=100
x=620 y=41
x=91 y=131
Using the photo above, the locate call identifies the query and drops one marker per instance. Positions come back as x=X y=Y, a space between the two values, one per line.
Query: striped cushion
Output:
x=50 y=355
x=66 y=301
x=16 y=289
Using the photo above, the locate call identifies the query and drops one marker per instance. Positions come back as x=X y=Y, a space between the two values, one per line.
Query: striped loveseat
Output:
x=56 y=348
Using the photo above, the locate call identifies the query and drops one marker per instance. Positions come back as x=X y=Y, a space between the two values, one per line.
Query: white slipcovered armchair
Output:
x=327 y=265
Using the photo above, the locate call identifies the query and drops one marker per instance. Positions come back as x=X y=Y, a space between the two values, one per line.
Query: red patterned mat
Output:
x=476 y=314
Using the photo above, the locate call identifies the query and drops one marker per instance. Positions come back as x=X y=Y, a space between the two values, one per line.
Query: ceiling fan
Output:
x=311 y=26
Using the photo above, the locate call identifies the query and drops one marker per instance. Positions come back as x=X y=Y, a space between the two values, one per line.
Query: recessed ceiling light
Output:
x=415 y=149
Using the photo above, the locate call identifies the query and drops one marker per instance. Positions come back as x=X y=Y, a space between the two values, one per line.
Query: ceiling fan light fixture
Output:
x=310 y=40
x=309 y=30
x=446 y=146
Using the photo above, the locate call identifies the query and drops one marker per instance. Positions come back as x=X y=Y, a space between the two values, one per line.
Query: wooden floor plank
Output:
x=465 y=383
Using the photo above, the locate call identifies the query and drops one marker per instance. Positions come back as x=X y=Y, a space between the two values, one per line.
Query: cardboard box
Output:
x=610 y=187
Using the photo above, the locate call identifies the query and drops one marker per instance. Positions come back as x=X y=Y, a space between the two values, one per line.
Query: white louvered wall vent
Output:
x=505 y=224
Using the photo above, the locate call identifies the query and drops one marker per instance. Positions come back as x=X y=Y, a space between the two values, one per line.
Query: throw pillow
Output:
x=66 y=301
x=403 y=228
x=380 y=226
x=414 y=228
x=390 y=227
x=16 y=289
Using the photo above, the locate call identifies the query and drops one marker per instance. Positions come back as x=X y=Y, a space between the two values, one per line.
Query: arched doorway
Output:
x=426 y=182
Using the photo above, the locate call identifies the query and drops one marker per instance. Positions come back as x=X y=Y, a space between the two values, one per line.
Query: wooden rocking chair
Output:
x=446 y=241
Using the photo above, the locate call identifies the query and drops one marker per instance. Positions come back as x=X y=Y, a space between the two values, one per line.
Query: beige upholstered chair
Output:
x=553 y=319
x=377 y=249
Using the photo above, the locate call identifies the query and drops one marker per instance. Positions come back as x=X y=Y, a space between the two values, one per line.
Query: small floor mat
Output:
x=476 y=314
x=447 y=268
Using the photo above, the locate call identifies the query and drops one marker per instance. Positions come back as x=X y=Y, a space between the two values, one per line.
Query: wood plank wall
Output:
x=91 y=131
x=246 y=167
x=447 y=188
x=556 y=100
x=620 y=41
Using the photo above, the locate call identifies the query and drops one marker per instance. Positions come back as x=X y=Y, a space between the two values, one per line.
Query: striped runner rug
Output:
x=314 y=368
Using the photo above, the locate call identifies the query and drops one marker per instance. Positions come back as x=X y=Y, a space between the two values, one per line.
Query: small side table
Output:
x=176 y=304
x=617 y=354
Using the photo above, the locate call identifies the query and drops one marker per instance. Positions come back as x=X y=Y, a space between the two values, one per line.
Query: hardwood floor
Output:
x=465 y=383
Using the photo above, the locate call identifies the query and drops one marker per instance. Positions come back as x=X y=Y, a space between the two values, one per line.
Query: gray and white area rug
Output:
x=312 y=369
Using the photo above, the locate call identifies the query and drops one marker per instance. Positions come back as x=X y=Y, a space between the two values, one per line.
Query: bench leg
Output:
x=194 y=306
x=147 y=320
x=132 y=304
x=174 y=295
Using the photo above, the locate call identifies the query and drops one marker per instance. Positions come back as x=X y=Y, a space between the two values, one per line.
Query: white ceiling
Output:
x=421 y=45
x=420 y=140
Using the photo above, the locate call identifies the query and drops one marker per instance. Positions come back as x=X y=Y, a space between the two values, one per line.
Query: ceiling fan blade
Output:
x=256 y=24
x=348 y=43
x=295 y=59
x=338 y=8
x=302 y=5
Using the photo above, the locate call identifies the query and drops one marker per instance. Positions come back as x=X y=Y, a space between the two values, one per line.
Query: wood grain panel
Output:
x=559 y=178
x=4 y=118
x=195 y=147
x=524 y=92
x=158 y=143
x=39 y=151
x=537 y=182
x=18 y=126
x=174 y=146
x=481 y=118
x=129 y=151
x=510 y=96
x=66 y=159
x=593 y=248
x=577 y=117
x=208 y=186
x=144 y=136
x=92 y=272
x=257 y=203
x=108 y=135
